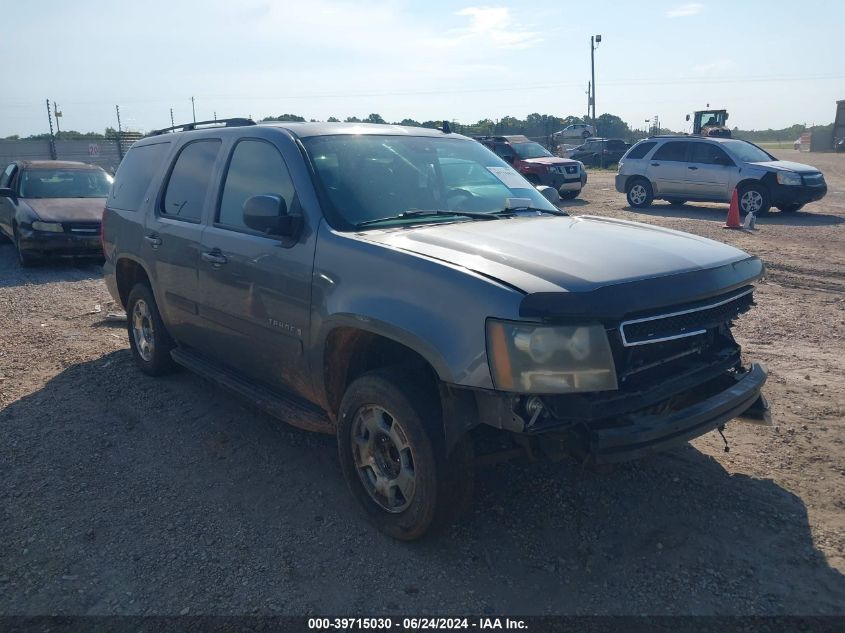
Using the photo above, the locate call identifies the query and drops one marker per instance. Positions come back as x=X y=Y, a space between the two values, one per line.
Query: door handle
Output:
x=154 y=240
x=215 y=258
x=691 y=167
x=655 y=164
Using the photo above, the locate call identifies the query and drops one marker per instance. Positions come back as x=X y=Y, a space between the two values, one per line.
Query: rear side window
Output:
x=256 y=168
x=6 y=178
x=616 y=144
x=641 y=149
x=189 y=181
x=134 y=175
x=672 y=151
x=709 y=154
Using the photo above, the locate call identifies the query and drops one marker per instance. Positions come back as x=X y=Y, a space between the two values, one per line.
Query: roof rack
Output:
x=187 y=127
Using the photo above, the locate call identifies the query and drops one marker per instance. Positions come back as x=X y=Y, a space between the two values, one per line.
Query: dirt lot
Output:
x=125 y=494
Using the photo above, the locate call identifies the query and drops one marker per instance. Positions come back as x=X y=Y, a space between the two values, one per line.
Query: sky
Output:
x=770 y=63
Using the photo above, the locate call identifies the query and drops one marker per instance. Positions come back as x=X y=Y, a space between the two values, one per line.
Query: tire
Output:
x=639 y=193
x=25 y=258
x=754 y=197
x=390 y=428
x=790 y=208
x=148 y=338
x=569 y=195
x=586 y=134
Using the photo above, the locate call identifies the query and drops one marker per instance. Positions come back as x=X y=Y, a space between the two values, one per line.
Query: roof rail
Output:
x=186 y=127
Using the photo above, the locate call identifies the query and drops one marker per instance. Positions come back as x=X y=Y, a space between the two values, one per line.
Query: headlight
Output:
x=52 y=227
x=788 y=178
x=533 y=358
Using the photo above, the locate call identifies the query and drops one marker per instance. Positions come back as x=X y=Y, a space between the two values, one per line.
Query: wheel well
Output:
x=128 y=273
x=751 y=181
x=350 y=353
x=631 y=179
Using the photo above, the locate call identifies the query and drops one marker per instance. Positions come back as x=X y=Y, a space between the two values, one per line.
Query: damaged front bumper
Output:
x=599 y=438
x=653 y=433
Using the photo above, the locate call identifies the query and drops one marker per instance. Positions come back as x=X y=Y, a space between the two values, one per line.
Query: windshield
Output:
x=717 y=117
x=65 y=183
x=366 y=177
x=747 y=152
x=530 y=150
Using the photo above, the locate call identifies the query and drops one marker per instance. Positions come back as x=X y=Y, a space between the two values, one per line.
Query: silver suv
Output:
x=681 y=168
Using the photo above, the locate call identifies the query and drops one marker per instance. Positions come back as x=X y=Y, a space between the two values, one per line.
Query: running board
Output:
x=288 y=408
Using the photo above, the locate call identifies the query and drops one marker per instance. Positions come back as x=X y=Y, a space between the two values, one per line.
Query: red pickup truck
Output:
x=538 y=165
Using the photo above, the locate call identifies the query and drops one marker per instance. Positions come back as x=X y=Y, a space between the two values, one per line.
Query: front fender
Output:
x=435 y=308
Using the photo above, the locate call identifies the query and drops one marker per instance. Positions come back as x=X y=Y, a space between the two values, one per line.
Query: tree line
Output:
x=537 y=126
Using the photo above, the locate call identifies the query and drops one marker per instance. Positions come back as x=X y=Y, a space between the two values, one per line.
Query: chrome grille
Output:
x=683 y=323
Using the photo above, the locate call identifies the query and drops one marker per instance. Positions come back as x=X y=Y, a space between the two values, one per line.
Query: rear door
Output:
x=256 y=289
x=171 y=242
x=667 y=168
x=710 y=172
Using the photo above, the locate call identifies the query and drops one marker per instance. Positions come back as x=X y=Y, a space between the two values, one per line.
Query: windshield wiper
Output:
x=425 y=214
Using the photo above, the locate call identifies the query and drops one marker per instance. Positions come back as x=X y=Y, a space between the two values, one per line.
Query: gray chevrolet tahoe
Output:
x=409 y=292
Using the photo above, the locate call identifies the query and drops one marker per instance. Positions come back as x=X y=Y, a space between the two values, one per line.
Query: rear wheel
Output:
x=586 y=134
x=148 y=338
x=754 y=198
x=392 y=453
x=569 y=195
x=639 y=193
x=790 y=208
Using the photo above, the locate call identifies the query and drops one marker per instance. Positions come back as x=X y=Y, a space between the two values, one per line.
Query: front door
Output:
x=172 y=237
x=710 y=172
x=667 y=169
x=256 y=289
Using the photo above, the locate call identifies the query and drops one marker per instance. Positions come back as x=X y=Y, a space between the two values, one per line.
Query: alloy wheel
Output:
x=143 y=331
x=383 y=458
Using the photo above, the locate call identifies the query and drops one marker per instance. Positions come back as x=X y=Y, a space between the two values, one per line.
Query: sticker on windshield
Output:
x=509 y=178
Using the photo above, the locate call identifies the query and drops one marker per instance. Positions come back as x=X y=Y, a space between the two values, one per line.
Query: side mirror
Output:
x=5 y=192
x=687 y=117
x=269 y=214
x=726 y=116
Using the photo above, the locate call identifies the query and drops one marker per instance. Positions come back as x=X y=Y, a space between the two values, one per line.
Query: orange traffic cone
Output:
x=733 y=213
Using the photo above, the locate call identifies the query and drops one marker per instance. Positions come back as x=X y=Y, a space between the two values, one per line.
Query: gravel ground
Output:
x=123 y=494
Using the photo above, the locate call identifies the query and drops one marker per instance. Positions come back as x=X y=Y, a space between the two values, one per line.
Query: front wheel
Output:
x=754 y=198
x=391 y=449
x=639 y=193
x=148 y=339
x=25 y=258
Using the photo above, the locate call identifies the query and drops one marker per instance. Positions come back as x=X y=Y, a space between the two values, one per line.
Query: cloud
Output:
x=496 y=25
x=716 y=68
x=685 y=10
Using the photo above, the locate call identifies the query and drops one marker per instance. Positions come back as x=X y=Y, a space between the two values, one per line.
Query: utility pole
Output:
x=589 y=99
x=595 y=40
x=52 y=138
x=193 y=110
x=171 y=118
x=119 y=134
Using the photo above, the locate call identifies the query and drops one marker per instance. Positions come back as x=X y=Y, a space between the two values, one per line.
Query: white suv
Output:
x=708 y=169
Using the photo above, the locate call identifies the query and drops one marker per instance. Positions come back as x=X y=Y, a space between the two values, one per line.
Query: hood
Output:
x=554 y=254
x=67 y=209
x=549 y=160
x=788 y=165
